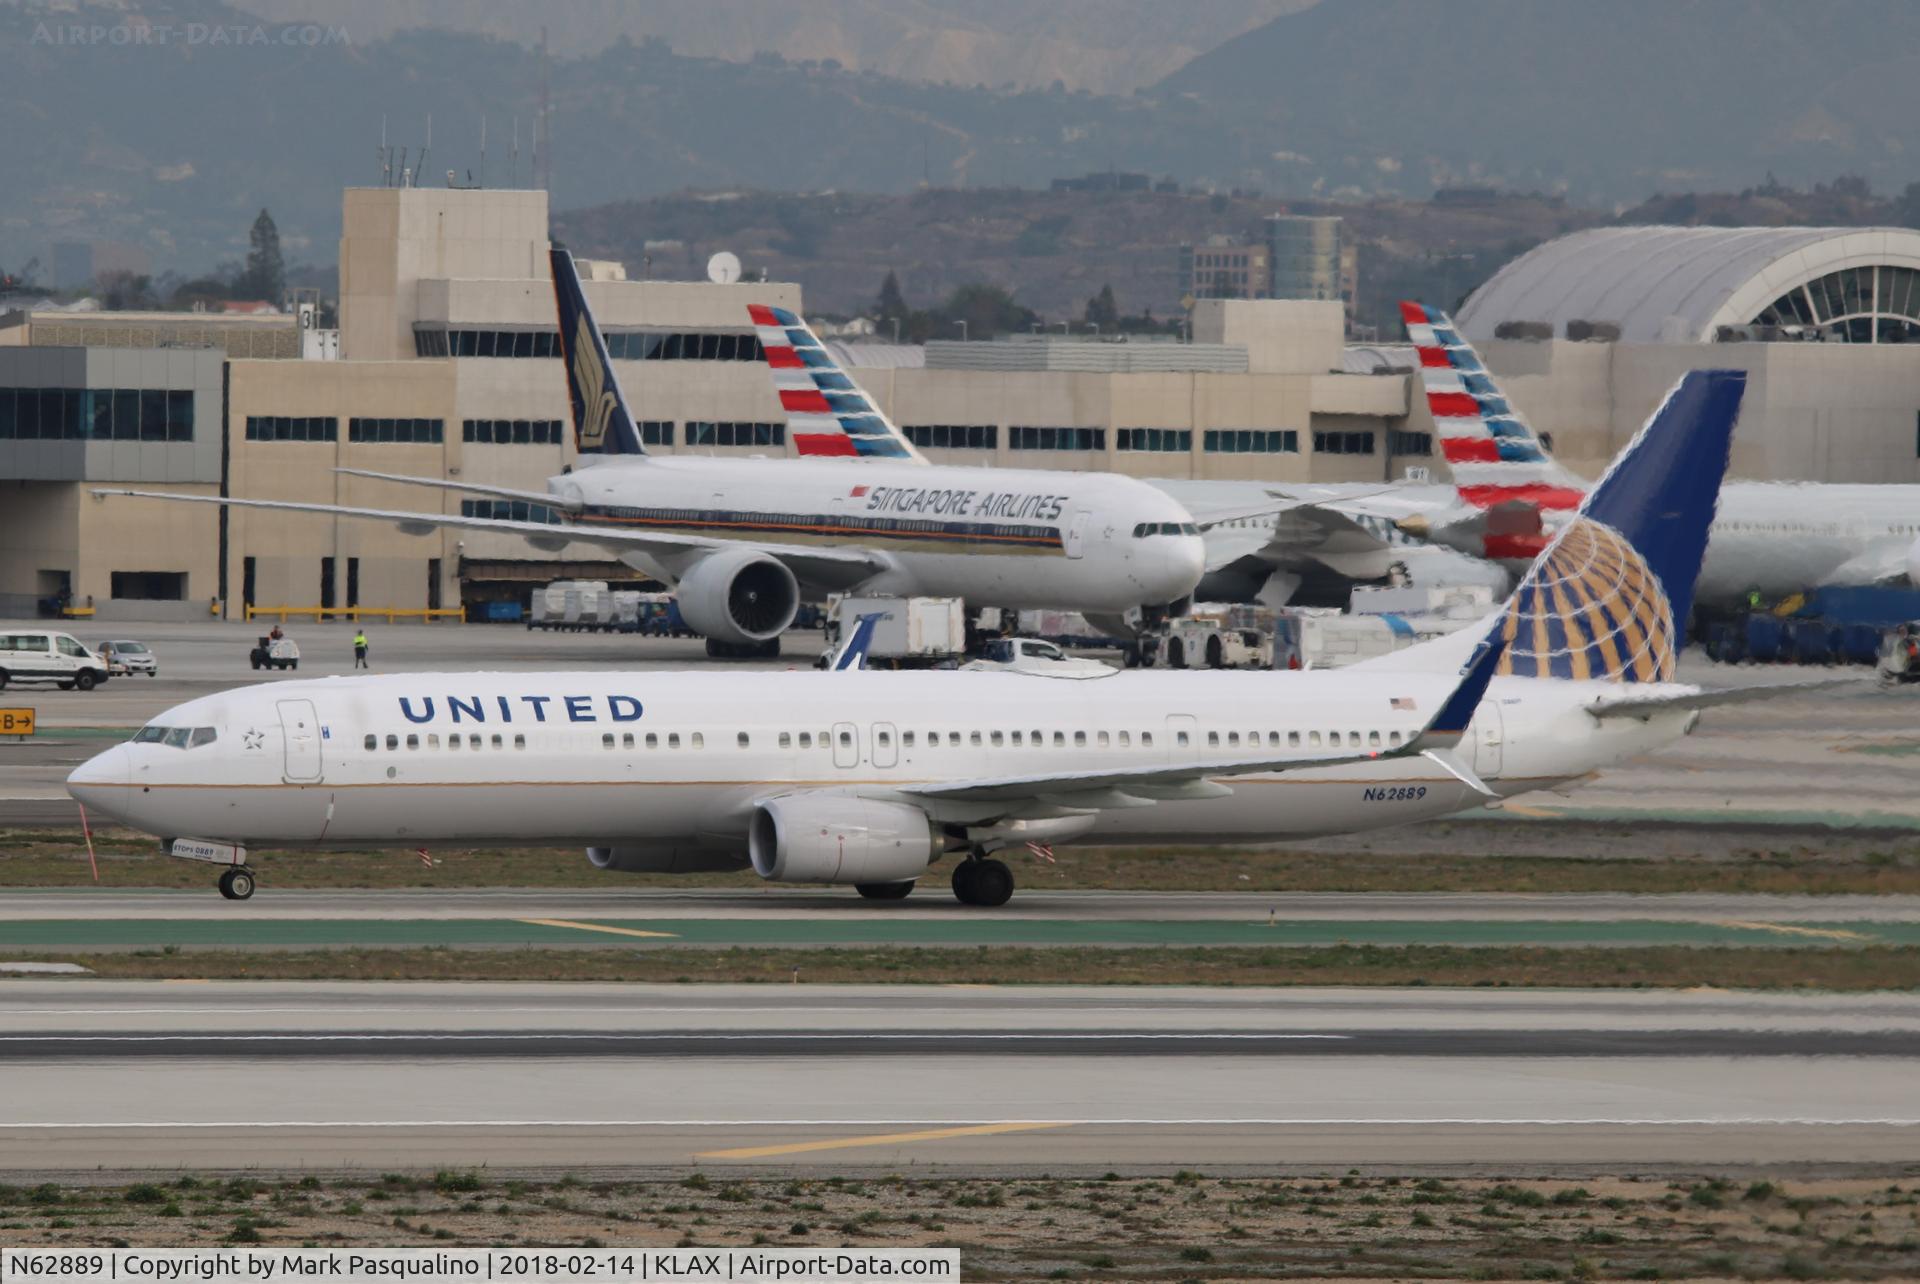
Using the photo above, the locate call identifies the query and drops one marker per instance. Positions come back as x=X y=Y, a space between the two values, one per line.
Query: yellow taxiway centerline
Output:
x=882 y=1139
x=1790 y=929
x=593 y=927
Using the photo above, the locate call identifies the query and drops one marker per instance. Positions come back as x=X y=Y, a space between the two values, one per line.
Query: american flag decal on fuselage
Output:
x=1495 y=456
x=827 y=413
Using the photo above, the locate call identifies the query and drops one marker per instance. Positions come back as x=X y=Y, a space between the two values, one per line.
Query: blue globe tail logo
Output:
x=1591 y=607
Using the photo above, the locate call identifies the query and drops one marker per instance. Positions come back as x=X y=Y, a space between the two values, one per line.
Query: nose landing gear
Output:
x=236 y=884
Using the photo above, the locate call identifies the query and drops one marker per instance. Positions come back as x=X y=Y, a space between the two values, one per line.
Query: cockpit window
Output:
x=176 y=737
x=1146 y=529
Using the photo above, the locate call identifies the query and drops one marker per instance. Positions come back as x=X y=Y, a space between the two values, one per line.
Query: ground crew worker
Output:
x=360 y=649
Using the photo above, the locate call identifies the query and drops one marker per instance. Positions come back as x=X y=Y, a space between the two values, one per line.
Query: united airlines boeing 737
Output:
x=745 y=541
x=869 y=779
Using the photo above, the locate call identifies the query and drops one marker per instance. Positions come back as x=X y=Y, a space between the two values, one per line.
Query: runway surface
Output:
x=87 y=919
x=129 y=1076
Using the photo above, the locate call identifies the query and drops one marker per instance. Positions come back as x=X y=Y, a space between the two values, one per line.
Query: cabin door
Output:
x=1183 y=738
x=846 y=745
x=300 y=728
x=1077 y=535
x=1489 y=737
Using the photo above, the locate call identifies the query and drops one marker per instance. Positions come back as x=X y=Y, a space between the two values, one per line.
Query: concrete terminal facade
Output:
x=445 y=370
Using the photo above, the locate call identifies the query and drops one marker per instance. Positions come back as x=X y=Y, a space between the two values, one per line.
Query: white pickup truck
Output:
x=1031 y=655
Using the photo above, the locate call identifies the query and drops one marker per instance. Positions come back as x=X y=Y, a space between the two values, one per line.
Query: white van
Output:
x=47 y=656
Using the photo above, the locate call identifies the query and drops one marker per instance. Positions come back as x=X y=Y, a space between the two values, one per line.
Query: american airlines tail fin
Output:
x=1496 y=457
x=602 y=424
x=1609 y=597
x=828 y=414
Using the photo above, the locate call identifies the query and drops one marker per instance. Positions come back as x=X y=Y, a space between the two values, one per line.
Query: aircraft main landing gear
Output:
x=236 y=884
x=981 y=880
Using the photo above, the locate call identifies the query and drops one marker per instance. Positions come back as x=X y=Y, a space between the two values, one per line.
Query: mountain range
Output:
x=173 y=146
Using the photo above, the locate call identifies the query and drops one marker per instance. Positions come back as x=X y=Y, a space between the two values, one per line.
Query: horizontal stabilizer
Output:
x=1642 y=706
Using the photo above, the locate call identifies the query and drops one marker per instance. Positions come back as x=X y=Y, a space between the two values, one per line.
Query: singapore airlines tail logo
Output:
x=596 y=399
x=1591 y=607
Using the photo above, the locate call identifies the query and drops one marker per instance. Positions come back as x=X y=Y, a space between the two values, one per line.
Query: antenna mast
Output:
x=543 y=139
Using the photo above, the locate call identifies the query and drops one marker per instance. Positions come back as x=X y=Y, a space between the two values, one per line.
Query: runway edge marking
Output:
x=593 y=927
x=883 y=1139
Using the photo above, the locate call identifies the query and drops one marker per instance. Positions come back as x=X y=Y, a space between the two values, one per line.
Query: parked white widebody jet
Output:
x=870 y=778
x=1507 y=500
x=745 y=541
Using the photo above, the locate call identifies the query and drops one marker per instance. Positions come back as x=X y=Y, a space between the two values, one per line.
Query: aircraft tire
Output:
x=236 y=884
x=885 y=891
x=963 y=882
x=992 y=883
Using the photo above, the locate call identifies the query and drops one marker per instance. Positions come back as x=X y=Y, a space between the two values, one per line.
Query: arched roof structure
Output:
x=1699 y=284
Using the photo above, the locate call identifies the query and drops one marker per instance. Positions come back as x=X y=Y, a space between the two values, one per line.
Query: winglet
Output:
x=852 y=654
x=602 y=424
x=1451 y=722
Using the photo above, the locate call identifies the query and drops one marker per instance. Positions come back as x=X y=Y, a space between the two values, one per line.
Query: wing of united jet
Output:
x=1070 y=792
x=814 y=565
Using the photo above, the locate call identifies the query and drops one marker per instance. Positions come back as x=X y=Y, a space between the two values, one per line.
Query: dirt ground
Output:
x=1839 y=969
x=1186 y=1226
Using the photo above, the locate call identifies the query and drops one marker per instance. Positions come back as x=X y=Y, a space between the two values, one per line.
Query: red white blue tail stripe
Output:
x=1495 y=457
x=827 y=413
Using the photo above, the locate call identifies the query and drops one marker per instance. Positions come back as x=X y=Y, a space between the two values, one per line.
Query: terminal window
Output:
x=1021 y=438
x=1176 y=440
x=292 y=428
x=150 y=586
x=396 y=430
x=727 y=433
x=1410 y=443
x=96 y=414
x=683 y=346
x=511 y=432
x=656 y=432
x=954 y=436
x=653 y=345
x=1343 y=443
x=1252 y=441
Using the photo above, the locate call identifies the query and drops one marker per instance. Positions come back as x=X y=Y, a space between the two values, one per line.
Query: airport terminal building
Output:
x=444 y=368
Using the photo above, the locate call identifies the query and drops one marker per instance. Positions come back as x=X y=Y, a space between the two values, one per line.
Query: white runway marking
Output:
x=711 y=1036
x=1395 y=1121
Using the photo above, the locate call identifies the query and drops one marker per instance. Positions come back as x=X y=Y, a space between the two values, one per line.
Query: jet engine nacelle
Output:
x=645 y=857
x=831 y=838
x=739 y=596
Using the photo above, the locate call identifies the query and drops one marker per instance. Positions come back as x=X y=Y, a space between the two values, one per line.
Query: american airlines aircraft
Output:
x=745 y=541
x=1508 y=498
x=870 y=778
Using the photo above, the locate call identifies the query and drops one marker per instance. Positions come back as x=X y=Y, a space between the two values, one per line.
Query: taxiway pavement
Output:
x=91 y=919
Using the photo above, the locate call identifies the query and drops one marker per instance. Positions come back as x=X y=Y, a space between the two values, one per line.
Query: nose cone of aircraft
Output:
x=1186 y=562
x=101 y=782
